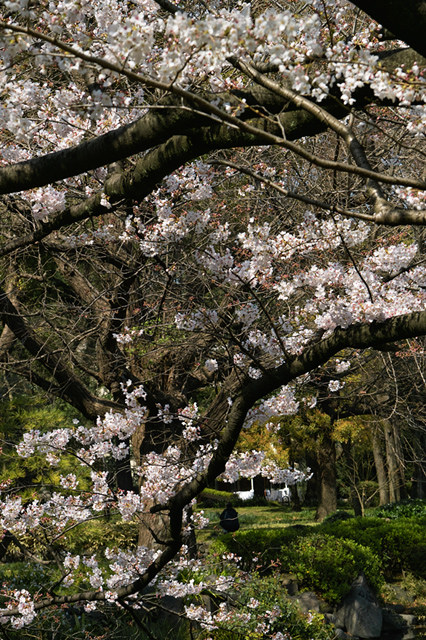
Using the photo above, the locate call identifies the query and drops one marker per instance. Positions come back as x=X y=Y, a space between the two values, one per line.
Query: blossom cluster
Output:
x=192 y=49
x=22 y=600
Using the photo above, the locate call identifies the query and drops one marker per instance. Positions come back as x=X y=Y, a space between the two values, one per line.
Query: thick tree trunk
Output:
x=295 y=500
x=379 y=461
x=327 y=470
x=357 y=502
x=154 y=530
x=313 y=490
x=419 y=482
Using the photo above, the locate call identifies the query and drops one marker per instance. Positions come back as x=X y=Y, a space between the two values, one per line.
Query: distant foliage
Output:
x=409 y=508
x=25 y=414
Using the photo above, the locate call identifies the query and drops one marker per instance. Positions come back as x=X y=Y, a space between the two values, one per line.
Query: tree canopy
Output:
x=203 y=208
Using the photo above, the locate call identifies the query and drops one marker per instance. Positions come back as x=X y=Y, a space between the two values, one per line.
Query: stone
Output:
x=289 y=582
x=359 y=613
x=309 y=601
x=398 y=608
x=409 y=619
x=330 y=618
x=400 y=595
x=341 y=635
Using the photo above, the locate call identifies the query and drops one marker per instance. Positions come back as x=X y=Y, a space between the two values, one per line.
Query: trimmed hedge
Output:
x=215 y=494
x=395 y=542
x=328 y=557
x=320 y=562
x=328 y=565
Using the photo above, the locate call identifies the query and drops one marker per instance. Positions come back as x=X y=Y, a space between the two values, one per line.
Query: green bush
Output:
x=393 y=542
x=410 y=508
x=415 y=560
x=217 y=496
x=321 y=563
x=257 y=501
x=258 y=548
x=328 y=565
x=260 y=599
x=337 y=516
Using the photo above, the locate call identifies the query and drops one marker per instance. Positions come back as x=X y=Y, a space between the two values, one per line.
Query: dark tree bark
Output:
x=406 y=21
x=259 y=487
x=400 y=462
x=294 y=499
x=327 y=470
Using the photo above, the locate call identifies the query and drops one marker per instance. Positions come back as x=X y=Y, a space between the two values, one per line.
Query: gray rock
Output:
x=398 y=608
x=409 y=619
x=359 y=614
x=341 y=635
x=330 y=618
x=309 y=601
x=401 y=595
x=290 y=584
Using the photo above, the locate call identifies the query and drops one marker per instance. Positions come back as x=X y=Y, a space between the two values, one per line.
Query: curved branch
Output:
x=100 y=596
x=358 y=336
x=292 y=194
x=168 y=6
x=71 y=387
x=385 y=213
x=261 y=135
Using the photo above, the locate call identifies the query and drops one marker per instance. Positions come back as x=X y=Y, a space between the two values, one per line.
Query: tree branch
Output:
x=71 y=388
x=385 y=213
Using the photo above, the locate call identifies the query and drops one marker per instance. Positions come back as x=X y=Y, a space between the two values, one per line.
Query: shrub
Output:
x=328 y=565
x=393 y=542
x=415 y=560
x=263 y=598
x=258 y=548
x=410 y=508
x=337 y=516
x=320 y=562
x=257 y=501
x=215 y=495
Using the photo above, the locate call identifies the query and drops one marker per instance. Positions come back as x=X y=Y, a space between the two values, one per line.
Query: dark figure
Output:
x=229 y=519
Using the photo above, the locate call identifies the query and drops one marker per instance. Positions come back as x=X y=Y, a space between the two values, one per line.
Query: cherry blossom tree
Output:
x=202 y=208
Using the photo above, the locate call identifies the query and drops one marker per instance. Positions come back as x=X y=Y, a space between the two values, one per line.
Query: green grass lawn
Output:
x=269 y=516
